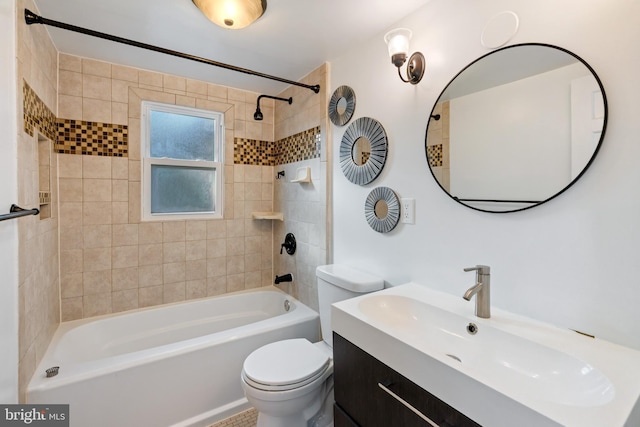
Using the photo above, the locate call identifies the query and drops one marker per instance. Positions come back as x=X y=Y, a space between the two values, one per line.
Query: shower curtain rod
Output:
x=32 y=18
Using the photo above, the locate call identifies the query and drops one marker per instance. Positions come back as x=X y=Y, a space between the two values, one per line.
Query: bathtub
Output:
x=174 y=365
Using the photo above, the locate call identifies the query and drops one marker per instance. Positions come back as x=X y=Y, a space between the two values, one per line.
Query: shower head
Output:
x=258 y=114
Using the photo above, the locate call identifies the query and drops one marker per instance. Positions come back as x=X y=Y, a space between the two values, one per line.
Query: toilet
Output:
x=290 y=382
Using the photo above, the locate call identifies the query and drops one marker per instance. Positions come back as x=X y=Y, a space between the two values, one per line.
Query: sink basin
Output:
x=543 y=373
x=530 y=370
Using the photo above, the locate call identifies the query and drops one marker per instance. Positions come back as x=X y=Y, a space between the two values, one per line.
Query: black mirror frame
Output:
x=593 y=156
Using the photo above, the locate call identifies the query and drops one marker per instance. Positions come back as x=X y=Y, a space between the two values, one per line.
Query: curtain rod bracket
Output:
x=32 y=18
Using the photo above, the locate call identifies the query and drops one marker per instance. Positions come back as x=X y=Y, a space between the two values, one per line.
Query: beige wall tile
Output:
x=173 y=292
x=195 y=249
x=124 y=300
x=216 y=285
x=150 y=232
x=216 y=267
x=70 y=83
x=71 y=238
x=96 y=190
x=121 y=72
x=96 y=167
x=120 y=190
x=70 y=62
x=69 y=166
x=120 y=168
x=96 y=282
x=70 y=189
x=150 y=296
x=70 y=262
x=125 y=234
x=235 y=282
x=149 y=275
x=196 y=269
x=96 y=110
x=119 y=212
x=174 y=272
x=174 y=231
x=71 y=308
x=173 y=252
x=71 y=285
x=195 y=289
x=96 y=236
x=150 y=254
x=94 y=213
x=96 y=259
x=124 y=256
x=96 y=87
x=96 y=68
x=150 y=78
x=216 y=229
x=216 y=248
x=125 y=278
x=70 y=107
x=96 y=305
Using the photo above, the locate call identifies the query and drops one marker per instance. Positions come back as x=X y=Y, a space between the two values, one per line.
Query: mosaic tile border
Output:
x=301 y=146
x=253 y=152
x=92 y=138
x=36 y=115
x=295 y=148
x=248 y=418
x=434 y=154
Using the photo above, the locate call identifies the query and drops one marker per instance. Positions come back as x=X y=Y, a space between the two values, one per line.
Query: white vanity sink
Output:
x=512 y=369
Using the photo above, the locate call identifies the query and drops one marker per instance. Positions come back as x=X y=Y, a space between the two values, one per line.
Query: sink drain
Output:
x=472 y=328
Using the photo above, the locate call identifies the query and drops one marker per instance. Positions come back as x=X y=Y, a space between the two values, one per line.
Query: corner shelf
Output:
x=303 y=174
x=268 y=215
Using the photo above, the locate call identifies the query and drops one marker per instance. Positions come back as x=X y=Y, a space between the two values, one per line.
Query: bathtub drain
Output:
x=287 y=305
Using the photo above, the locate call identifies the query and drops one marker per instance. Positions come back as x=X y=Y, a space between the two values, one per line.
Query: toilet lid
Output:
x=284 y=365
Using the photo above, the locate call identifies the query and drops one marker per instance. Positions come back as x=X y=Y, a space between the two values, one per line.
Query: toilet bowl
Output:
x=290 y=382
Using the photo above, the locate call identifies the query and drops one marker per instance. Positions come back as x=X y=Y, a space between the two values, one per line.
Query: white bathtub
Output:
x=175 y=365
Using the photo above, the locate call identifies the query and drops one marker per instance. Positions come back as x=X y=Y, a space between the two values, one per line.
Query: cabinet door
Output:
x=372 y=394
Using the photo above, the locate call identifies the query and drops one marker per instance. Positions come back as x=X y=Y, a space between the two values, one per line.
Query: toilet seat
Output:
x=285 y=365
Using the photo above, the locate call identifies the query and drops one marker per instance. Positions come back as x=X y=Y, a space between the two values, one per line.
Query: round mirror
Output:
x=363 y=150
x=342 y=105
x=516 y=127
x=382 y=209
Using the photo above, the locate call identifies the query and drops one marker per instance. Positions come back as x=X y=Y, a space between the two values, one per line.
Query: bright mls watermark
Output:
x=34 y=415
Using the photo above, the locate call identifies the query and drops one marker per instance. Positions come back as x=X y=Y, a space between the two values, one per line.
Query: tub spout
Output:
x=284 y=278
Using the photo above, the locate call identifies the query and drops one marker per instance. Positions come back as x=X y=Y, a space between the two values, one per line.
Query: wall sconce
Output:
x=398 y=43
x=232 y=14
x=258 y=114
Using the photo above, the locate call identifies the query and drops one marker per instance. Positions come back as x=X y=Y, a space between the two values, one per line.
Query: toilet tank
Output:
x=337 y=282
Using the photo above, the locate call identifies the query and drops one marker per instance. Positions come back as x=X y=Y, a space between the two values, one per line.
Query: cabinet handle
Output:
x=407 y=405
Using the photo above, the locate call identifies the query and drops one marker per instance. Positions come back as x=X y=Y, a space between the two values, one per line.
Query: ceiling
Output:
x=290 y=40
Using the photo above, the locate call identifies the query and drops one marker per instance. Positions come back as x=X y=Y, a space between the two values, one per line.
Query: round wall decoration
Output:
x=342 y=105
x=382 y=209
x=363 y=150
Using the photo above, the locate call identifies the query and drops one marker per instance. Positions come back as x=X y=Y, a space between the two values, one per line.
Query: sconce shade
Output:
x=398 y=44
x=232 y=14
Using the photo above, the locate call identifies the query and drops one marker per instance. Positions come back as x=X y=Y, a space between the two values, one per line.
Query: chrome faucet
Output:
x=481 y=288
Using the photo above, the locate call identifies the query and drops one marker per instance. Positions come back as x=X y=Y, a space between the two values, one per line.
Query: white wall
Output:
x=8 y=195
x=574 y=261
x=521 y=129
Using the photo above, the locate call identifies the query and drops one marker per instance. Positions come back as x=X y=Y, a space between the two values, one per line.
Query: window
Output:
x=182 y=162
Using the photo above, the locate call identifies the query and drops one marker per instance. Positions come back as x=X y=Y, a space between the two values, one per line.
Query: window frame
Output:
x=148 y=161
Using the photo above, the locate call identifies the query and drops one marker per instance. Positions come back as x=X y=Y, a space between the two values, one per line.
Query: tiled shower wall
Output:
x=38 y=287
x=110 y=260
x=304 y=205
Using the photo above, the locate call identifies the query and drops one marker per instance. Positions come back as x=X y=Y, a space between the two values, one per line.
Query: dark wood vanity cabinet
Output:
x=361 y=401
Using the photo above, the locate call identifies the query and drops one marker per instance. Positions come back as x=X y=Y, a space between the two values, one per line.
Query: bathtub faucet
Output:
x=284 y=278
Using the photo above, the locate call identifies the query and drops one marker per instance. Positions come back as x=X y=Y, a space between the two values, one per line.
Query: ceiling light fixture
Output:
x=398 y=43
x=232 y=14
